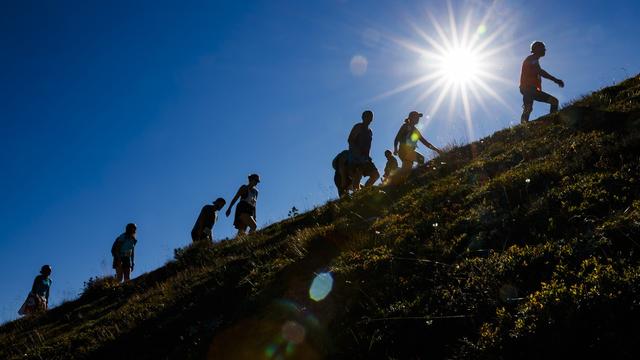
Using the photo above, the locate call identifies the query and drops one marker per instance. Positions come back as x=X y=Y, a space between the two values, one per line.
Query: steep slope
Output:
x=521 y=245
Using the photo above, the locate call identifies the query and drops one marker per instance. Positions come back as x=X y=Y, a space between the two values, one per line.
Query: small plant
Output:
x=99 y=284
x=293 y=212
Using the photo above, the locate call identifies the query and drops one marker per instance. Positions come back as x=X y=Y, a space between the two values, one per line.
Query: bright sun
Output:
x=457 y=63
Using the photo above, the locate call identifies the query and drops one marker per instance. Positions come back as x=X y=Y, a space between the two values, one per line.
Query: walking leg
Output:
x=554 y=105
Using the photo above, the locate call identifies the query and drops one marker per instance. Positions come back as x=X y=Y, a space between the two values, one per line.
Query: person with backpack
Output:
x=531 y=82
x=345 y=177
x=406 y=142
x=245 y=216
x=202 y=229
x=38 y=299
x=123 y=252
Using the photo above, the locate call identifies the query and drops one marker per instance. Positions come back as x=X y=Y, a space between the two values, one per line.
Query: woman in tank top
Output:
x=406 y=142
x=245 y=216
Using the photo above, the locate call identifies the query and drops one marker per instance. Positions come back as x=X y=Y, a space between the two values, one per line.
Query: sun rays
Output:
x=458 y=62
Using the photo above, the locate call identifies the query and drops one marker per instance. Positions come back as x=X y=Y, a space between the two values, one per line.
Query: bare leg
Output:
x=249 y=221
x=419 y=158
x=526 y=111
x=356 y=179
x=404 y=171
x=126 y=273
x=119 y=273
x=372 y=179
x=554 y=104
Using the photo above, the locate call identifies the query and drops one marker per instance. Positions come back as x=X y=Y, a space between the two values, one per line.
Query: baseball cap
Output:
x=415 y=114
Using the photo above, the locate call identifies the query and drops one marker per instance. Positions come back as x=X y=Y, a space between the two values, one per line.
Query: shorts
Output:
x=409 y=154
x=355 y=159
x=243 y=207
x=531 y=94
x=123 y=262
x=368 y=168
x=362 y=163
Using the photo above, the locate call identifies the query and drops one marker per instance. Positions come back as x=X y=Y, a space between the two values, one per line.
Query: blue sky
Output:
x=143 y=111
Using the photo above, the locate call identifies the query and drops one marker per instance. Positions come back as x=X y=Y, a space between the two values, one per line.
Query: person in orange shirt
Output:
x=531 y=82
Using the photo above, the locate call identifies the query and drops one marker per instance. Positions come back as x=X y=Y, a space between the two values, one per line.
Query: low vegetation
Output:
x=521 y=245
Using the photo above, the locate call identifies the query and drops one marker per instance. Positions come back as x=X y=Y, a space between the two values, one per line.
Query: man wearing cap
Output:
x=406 y=142
x=359 y=147
x=202 y=229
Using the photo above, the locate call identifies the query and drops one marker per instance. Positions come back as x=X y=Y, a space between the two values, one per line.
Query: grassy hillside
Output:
x=522 y=245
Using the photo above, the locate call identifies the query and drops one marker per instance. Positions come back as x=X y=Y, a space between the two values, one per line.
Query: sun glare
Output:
x=457 y=63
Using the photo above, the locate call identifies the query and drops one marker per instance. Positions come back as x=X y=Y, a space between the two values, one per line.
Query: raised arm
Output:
x=233 y=201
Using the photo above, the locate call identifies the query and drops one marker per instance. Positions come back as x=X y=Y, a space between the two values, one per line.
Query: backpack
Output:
x=336 y=160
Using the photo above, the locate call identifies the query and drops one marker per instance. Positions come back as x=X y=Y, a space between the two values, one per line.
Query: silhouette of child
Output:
x=391 y=166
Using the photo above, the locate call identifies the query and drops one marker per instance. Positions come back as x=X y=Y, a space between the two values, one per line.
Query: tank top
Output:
x=250 y=196
x=409 y=136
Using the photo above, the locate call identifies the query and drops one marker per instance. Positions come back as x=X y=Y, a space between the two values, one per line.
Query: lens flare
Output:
x=293 y=332
x=321 y=286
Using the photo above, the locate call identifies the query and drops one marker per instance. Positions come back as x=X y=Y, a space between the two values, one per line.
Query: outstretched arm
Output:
x=546 y=75
x=233 y=201
x=429 y=145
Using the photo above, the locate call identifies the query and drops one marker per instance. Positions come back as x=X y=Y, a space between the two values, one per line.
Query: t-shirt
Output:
x=41 y=286
x=206 y=219
x=530 y=75
x=124 y=246
x=360 y=139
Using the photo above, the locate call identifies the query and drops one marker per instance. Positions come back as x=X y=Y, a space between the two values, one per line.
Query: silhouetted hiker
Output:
x=245 y=216
x=407 y=139
x=359 y=146
x=531 y=82
x=344 y=176
x=123 y=251
x=202 y=229
x=38 y=299
x=390 y=168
